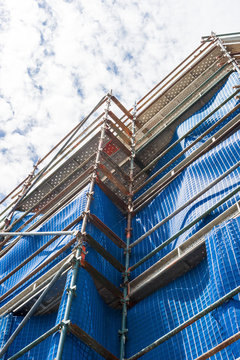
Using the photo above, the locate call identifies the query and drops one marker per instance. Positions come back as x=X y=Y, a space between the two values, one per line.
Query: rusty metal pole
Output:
x=72 y=288
x=126 y=274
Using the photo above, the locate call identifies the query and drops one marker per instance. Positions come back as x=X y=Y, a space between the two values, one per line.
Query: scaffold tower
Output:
x=123 y=241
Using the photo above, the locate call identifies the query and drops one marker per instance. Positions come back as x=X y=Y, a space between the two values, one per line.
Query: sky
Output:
x=59 y=57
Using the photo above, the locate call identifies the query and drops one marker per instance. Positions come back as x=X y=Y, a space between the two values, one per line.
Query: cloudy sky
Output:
x=59 y=57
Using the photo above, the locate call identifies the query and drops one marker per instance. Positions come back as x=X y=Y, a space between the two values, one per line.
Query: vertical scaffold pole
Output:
x=126 y=274
x=80 y=249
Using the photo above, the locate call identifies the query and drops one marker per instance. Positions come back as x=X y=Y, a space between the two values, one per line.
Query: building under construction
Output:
x=123 y=242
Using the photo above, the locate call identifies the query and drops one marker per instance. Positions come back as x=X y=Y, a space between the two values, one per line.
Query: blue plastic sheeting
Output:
x=192 y=180
x=35 y=327
x=111 y=216
x=188 y=295
x=91 y=314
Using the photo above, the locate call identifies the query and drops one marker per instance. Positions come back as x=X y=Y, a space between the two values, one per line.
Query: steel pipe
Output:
x=38 y=251
x=219 y=35
x=38 y=268
x=37 y=233
x=123 y=331
x=50 y=212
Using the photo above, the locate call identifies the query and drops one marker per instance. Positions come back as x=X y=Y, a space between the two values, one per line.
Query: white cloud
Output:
x=59 y=57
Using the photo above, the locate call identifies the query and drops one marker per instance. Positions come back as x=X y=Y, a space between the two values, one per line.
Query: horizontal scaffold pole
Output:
x=192 y=223
x=39 y=233
x=158 y=225
x=38 y=268
x=50 y=212
x=187 y=323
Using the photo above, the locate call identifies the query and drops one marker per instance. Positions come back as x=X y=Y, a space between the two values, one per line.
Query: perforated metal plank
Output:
x=189 y=77
x=69 y=171
x=161 y=123
x=180 y=98
x=160 y=142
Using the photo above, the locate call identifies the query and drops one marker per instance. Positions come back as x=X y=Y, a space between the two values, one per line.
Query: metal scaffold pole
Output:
x=72 y=288
x=126 y=274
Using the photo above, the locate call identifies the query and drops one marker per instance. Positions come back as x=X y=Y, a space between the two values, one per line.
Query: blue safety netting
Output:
x=169 y=306
x=35 y=327
x=177 y=302
x=91 y=314
x=192 y=180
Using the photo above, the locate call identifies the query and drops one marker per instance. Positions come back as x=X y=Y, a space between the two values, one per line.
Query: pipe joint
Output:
x=127 y=251
x=123 y=332
x=90 y=194
x=64 y=323
x=126 y=277
x=72 y=289
x=125 y=300
x=86 y=213
x=77 y=234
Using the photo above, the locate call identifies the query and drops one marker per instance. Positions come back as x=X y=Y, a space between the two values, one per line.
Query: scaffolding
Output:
x=117 y=150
